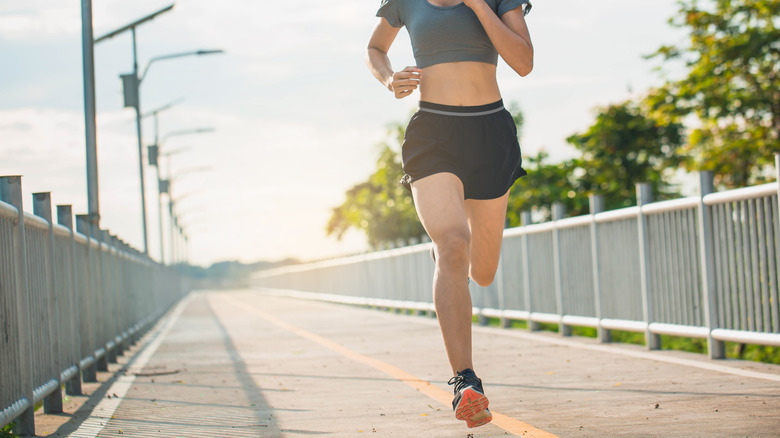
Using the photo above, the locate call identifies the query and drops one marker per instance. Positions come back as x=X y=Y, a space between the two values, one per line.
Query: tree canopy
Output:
x=732 y=87
x=729 y=101
x=380 y=207
x=625 y=146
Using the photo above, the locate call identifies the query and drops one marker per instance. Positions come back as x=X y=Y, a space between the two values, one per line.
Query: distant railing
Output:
x=69 y=303
x=704 y=266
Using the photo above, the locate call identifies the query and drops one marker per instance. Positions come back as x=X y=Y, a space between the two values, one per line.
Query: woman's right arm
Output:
x=401 y=83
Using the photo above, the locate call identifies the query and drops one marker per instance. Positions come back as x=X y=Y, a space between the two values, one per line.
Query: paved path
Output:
x=244 y=364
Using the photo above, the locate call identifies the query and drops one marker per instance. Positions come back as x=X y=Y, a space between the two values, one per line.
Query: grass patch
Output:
x=626 y=337
x=547 y=327
x=681 y=343
x=7 y=431
x=588 y=332
x=518 y=323
x=755 y=353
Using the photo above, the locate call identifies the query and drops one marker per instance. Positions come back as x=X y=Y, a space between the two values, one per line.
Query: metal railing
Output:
x=70 y=302
x=704 y=266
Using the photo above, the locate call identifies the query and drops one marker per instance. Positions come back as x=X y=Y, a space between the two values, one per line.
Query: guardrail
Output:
x=70 y=302
x=704 y=266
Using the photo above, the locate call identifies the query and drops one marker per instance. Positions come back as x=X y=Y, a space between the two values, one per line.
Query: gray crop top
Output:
x=442 y=34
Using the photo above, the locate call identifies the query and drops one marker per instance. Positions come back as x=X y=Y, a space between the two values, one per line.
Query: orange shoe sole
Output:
x=473 y=408
x=480 y=419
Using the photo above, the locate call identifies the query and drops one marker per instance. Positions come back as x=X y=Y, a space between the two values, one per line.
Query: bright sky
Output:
x=295 y=111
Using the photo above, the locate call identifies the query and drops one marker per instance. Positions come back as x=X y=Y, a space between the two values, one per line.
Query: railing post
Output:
x=11 y=193
x=65 y=218
x=52 y=404
x=596 y=203
x=558 y=212
x=121 y=335
x=99 y=295
x=715 y=348
x=777 y=175
x=644 y=196
x=525 y=217
x=89 y=373
x=107 y=295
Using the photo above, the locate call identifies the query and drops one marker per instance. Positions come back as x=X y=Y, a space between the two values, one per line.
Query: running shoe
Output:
x=470 y=403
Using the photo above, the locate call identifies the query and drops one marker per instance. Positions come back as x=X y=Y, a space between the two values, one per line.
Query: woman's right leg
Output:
x=440 y=206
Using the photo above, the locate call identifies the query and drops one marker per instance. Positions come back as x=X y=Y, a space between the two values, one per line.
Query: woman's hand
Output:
x=509 y=35
x=405 y=81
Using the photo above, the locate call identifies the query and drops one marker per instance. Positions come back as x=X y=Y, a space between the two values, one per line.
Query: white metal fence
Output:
x=704 y=266
x=69 y=303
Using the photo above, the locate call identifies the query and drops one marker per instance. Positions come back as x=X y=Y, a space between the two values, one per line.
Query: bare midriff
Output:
x=460 y=84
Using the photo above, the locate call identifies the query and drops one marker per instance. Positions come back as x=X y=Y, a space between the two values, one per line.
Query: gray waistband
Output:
x=452 y=113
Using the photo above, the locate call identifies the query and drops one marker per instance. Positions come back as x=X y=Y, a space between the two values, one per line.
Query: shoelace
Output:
x=461 y=381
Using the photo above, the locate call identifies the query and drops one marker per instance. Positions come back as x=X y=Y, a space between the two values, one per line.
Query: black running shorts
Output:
x=478 y=144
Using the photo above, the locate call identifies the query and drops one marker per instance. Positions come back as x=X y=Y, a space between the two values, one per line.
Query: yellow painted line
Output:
x=509 y=424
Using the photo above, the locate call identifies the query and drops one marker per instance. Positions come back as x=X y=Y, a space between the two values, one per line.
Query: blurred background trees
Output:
x=731 y=92
x=722 y=115
x=380 y=207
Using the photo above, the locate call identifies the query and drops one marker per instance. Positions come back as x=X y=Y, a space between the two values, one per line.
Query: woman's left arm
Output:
x=509 y=35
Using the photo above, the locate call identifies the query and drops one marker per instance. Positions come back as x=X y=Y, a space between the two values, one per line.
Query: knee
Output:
x=453 y=248
x=482 y=278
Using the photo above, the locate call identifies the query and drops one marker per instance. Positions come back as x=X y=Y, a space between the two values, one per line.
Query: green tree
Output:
x=380 y=207
x=623 y=147
x=545 y=184
x=732 y=87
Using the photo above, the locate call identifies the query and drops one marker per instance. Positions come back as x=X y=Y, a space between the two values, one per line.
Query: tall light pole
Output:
x=132 y=99
x=171 y=204
x=88 y=61
x=131 y=83
x=163 y=185
x=153 y=155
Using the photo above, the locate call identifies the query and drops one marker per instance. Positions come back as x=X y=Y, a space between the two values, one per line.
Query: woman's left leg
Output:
x=486 y=219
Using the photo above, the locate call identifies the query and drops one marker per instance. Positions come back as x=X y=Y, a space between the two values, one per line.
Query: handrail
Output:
x=84 y=315
x=690 y=266
x=741 y=194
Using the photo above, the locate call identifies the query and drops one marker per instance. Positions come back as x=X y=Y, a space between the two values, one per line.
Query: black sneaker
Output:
x=470 y=403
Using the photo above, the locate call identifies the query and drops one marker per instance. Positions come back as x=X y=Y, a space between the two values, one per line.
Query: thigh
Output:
x=486 y=219
x=438 y=199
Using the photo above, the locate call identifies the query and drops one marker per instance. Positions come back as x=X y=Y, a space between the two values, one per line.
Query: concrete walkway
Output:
x=244 y=364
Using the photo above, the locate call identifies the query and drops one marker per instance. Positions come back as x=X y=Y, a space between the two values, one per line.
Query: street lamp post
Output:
x=90 y=127
x=174 y=218
x=163 y=186
x=132 y=99
x=131 y=84
x=153 y=155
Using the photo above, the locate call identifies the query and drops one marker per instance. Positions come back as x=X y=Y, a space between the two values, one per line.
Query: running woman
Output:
x=460 y=153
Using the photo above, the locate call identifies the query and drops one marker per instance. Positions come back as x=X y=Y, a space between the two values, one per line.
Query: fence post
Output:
x=89 y=373
x=777 y=175
x=107 y=295
x=121 y=334
x=65 y=218
x=11 y=193
x=504 y=321
x=525 y=218
x=715 y=348
x=596 y=203
x=644 y=196
x=52 y=404
x=558 y=212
